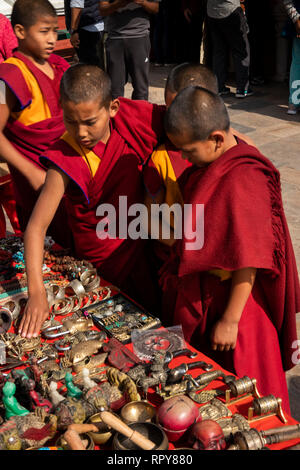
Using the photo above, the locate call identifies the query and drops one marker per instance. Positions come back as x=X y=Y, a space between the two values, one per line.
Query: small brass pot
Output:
x=137 y=412
x=61 y=442
x=105 y=432
x=150 y=430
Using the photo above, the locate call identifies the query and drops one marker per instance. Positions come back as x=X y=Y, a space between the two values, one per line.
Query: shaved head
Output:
x=188 y=74
x=28 y=12
x=83 y=83
x=197 y=113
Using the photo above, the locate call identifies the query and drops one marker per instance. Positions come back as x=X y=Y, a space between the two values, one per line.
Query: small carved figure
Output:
x=72 y=390
x=207 y=435
x=87 y=382
x=55 y=396
x=11 y=405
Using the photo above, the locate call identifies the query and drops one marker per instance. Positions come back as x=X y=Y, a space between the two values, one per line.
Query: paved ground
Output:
x=263 y=117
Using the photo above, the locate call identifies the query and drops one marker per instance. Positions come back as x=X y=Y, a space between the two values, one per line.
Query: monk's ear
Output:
x=218 y=138
x=20 y=31
x=114 y=107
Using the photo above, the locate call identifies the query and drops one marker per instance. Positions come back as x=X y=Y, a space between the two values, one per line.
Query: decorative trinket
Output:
x=119 y=315
x=72 y=390
x=11 y=405
x=207 y=435
x=265 y=407
x=176 y=415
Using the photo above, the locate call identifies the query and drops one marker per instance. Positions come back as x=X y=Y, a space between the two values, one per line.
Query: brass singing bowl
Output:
x=105 y=432
x=61 y=442
x=137 y=412
x=150 y=430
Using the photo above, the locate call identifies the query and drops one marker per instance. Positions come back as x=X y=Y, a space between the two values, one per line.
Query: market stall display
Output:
x=79 y=385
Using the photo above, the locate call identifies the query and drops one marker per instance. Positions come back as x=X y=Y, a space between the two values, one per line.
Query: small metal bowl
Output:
x=150 y=430
x=138 y=412
x=105 y=432
x=61 y=442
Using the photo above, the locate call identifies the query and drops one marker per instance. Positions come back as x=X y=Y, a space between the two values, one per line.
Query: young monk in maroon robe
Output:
x=236 y=296
x=166 y=164
x=95 y=162
x=30 y=114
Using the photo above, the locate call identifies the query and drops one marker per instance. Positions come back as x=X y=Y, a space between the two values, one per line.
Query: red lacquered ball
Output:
x=176 y=415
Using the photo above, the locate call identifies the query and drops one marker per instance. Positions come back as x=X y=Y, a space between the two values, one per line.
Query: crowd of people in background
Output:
x=255 y=39
x=258 y=40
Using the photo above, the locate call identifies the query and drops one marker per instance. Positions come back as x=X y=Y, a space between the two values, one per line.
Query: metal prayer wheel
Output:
x=243 y=386
x=266 y=405
x=249 y=440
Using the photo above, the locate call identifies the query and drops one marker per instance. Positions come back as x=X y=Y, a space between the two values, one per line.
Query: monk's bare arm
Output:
x=8 y=153
x=224 y=333
x=37 y=311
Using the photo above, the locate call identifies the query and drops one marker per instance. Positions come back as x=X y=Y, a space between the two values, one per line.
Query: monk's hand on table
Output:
x=35 y=313
x=224 y=335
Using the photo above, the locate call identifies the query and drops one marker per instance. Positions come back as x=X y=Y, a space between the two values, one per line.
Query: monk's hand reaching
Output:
x=224 y=335
x=35 y=313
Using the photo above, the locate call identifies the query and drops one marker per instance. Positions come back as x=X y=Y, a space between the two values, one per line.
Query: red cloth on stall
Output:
x=33 y=138
x=244 y=226
x=122 y=261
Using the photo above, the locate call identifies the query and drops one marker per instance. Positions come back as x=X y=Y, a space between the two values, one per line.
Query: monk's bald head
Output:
x=28 y=12
x=197 y=113
x=189 y=74
x=84 y=83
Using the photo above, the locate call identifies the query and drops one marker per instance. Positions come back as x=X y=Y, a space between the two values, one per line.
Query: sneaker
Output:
x=292 y=109
x=224 y=91
x=256 y=81
x=244 y=93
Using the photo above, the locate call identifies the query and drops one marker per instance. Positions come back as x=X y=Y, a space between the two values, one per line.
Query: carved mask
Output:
x=207 y=435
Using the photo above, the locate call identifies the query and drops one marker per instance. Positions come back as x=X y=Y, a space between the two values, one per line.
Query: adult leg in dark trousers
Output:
x=231 y=34
x=116 y=66
x=137 y=52
x=129 y=56
x=88 y=52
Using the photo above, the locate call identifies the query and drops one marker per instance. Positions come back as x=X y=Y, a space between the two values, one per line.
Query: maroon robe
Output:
x=134 y=133
x=32 y=140
x=244 y=226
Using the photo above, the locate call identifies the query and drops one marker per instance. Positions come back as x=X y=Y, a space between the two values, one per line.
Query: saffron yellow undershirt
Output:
x=91 y=159
x=162 y=162
x=38 y=110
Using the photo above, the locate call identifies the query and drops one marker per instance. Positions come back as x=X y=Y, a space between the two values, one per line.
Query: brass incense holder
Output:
x=138 y=412
x=265 y=407
x=150 y=431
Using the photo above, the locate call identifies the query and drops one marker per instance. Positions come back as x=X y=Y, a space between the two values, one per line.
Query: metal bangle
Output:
x=67 y=306
x=90 y=279
x=6 y=319
x=14 y=307
x=76 y=287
